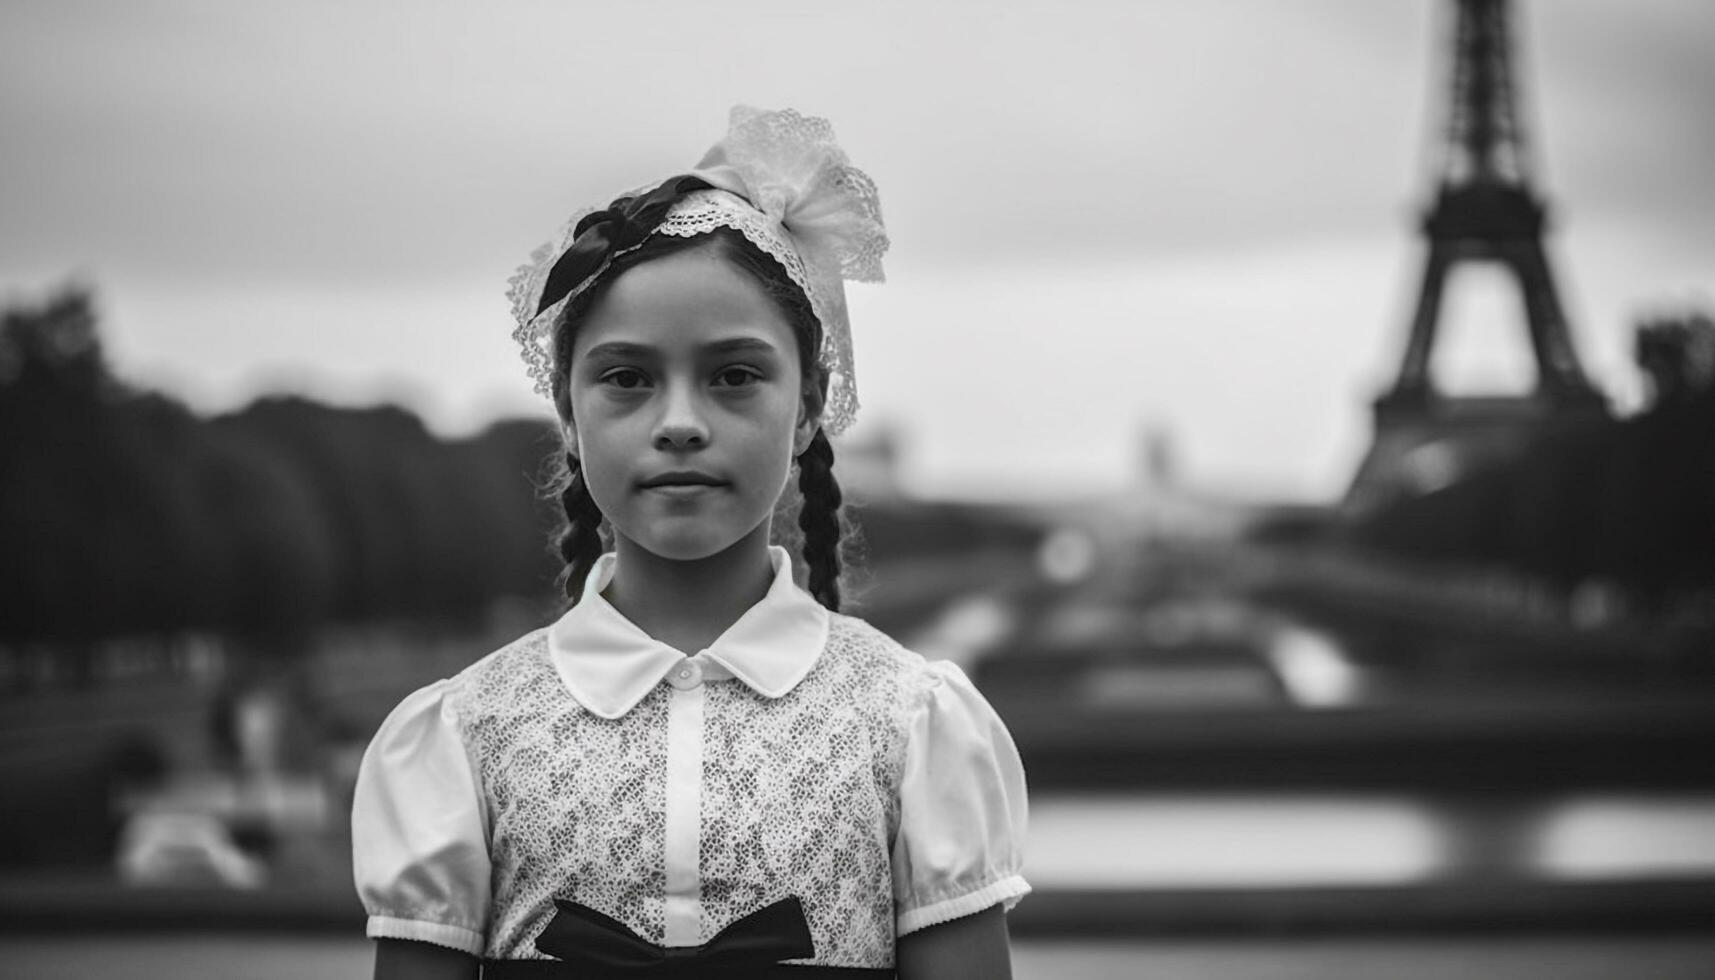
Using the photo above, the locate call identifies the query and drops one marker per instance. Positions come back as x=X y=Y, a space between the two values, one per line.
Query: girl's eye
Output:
x=737 y=377
x=624 y=378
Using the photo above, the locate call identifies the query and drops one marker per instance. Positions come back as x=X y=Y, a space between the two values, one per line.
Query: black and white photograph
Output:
x=888 y=491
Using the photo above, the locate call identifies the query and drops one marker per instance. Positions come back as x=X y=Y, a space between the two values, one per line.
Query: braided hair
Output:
x=820 y=517
x=819 y=520
x=579 y=537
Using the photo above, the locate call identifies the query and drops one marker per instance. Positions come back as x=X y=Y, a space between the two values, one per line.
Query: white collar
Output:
x=608 y=663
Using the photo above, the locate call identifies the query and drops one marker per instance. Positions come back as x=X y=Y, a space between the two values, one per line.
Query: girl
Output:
x=701 y=769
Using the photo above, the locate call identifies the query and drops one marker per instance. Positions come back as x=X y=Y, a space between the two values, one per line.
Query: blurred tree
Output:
x=1677 y=355
x=1631 y=501
x=500 y=473
x=122 y=512
x=53 y=395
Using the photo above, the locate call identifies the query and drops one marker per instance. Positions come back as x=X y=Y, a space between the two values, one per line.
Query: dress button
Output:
x=686 y=677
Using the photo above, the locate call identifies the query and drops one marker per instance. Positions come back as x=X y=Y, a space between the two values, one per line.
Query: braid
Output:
x=580 y=540
x=819 y=518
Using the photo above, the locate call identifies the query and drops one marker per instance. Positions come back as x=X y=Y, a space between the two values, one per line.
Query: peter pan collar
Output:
x=608 y=663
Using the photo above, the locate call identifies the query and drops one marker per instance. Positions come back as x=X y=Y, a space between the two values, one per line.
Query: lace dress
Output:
x=803 y=754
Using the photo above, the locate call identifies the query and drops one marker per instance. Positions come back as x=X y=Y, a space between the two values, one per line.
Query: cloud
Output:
x=318 y=184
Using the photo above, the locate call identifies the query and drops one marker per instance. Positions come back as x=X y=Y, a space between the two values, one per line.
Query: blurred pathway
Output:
x=273 y=957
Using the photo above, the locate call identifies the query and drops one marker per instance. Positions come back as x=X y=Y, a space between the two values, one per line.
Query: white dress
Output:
x=803 y=754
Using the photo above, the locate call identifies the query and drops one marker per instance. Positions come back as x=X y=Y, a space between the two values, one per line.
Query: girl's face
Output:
x=686 y=404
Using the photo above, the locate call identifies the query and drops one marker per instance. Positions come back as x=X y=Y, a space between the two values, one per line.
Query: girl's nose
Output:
x=681 y=425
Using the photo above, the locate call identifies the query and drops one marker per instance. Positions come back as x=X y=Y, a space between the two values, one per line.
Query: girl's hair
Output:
x=821 y=521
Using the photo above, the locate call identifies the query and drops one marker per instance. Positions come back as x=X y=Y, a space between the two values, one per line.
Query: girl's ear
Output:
x=805 y=431
x=563 y=414
x=809 y=414
x=569 y=433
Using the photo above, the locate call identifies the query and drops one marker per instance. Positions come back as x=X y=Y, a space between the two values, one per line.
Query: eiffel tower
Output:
x=1484 y=210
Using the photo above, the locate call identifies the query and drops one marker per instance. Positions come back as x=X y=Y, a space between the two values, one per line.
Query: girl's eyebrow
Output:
x=742 y=345
x=620 y=350
x=626 y=350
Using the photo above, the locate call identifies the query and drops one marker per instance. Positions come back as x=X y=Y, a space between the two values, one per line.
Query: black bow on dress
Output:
x=600 y=945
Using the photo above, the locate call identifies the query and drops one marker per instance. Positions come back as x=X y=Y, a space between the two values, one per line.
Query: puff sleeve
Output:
x=418 y=829
x=962 y=809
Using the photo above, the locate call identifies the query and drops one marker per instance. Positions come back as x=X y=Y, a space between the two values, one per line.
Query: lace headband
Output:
x=780 y=180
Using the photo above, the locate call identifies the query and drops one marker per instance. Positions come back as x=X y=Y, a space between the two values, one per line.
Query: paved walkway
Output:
x=271 y=957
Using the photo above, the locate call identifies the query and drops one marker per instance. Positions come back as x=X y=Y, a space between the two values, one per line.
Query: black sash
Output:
x=591 y=946
x=559 y=970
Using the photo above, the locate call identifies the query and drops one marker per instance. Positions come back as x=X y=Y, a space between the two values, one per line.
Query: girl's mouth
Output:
x=682 y=491
x=682 y=483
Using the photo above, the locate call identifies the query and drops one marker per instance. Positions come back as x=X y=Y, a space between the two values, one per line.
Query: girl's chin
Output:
x=685 y=550
x=692 y=545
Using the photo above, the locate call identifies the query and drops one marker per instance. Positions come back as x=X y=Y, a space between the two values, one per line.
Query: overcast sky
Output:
x=1107 y=217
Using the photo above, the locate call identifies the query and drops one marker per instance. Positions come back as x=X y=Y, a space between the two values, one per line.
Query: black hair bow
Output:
x=620 y=227
x=598 y=945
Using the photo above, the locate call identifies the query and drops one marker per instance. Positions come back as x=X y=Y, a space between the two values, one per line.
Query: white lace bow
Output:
x=785 y=184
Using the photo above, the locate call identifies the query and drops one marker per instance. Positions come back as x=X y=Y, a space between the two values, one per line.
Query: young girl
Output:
x=701 y=769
